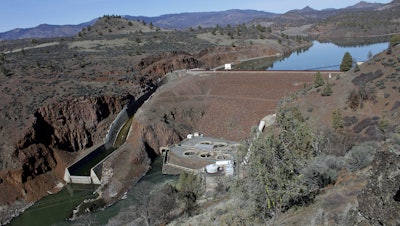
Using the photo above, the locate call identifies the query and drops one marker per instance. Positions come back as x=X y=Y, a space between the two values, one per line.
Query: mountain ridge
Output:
x=185 y=20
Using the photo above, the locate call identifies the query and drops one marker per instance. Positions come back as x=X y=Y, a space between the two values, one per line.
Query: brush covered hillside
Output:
x=361 y=23
x=60 y=95
x=384 y=20
x=331 y=158
x=205 y=19
x=290 y=22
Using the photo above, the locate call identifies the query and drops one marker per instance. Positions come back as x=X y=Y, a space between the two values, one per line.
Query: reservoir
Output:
x=326 y=56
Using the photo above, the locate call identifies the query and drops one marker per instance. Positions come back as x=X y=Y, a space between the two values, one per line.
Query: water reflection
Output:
x=325 y=56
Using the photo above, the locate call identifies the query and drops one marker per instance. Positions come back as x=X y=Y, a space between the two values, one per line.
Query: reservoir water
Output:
x=326 y=56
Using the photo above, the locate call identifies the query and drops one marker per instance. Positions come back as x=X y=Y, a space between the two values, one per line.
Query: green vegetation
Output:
x=274 y=182
x=347 y=62
x=318 y=80
x=189 y=182
x=287 y=168
x=322 y=171
x=395 y=40
x=337 y=119
x=360 y=156
x=327 y=90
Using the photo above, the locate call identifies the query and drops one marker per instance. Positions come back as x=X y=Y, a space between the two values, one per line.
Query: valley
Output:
x=60 y=95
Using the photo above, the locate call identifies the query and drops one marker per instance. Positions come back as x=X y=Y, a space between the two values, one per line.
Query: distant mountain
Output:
x=233 y=17
x=365 y=5
x=205 y=19
x=308 y=15
x=44 y=31
x=168 y=21
x=306 y=9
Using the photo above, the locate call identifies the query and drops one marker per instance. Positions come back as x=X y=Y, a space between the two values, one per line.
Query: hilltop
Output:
x=183 y=21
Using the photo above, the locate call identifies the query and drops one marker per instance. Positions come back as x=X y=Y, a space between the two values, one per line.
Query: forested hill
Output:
x=384 y=20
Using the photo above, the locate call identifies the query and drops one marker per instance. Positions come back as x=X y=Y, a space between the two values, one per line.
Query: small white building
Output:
x=228 y=66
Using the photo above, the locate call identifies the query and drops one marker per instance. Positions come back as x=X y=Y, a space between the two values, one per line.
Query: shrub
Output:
x=318 y=80
x=327 y=90
x=383 y=124
x=360 y=156
x=189 y=182
x=337 y=119
x=394 y=40
x=356 y=98
x=274 y=183
x=323 y=171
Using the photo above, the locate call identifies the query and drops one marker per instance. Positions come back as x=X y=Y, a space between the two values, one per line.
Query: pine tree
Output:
x=318 y=80
x=347 y=62
x=337 y=119
x=327 y=91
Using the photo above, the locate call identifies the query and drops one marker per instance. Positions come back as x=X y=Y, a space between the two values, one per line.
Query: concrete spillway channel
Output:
x=87 y=170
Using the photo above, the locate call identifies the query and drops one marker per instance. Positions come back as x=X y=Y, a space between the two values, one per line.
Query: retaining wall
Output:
x=95 y=173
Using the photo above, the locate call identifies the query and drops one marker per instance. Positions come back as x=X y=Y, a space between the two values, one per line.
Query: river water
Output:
x=55 y=209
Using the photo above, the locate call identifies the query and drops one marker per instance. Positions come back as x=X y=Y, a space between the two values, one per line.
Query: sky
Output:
x=31 y=13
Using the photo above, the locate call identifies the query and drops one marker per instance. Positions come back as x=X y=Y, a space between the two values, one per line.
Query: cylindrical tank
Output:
x=212 y=168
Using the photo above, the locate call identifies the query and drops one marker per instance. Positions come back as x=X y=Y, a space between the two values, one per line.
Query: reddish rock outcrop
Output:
x=58 y=132
x=159 y=65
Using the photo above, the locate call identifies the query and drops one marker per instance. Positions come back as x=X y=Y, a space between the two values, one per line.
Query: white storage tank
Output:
x=212 y=168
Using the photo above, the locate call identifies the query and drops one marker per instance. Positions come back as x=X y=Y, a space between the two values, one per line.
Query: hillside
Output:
x=44 y=31
x=169 y=21
x=205 y=19
x=59 y=95
x=352 y=170
x=380 y=21
x=182 y=21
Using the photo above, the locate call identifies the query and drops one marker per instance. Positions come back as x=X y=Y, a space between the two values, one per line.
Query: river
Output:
x=56 y=209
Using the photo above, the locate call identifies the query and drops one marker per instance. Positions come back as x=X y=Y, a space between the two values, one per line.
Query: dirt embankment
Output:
x=219 y=104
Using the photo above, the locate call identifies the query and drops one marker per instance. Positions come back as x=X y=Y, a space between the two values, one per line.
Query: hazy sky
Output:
x=30 y=13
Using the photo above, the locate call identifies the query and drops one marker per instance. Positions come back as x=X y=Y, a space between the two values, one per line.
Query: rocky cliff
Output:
x=53 y=140
x=161 y=64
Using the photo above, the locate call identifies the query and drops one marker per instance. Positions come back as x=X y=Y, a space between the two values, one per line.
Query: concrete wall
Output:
x=126 y=113
x=80 y=180
x=95 y=179
x=115 y=127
